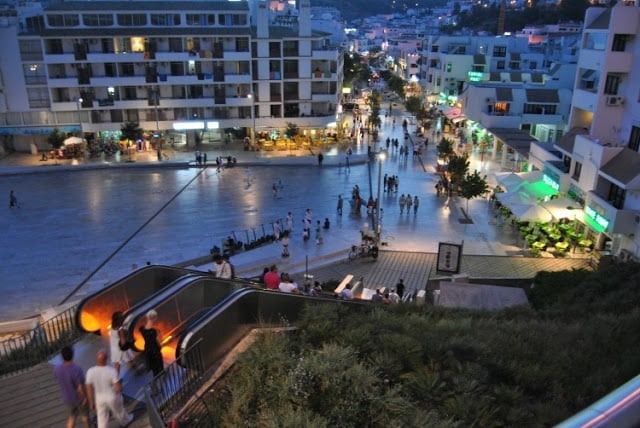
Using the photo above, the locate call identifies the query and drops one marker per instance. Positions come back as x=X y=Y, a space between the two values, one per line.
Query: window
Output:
x=533 y=65
x=63 y=20
x=577 y=169
x=539 y=108
x=449 y=67
x=30 y=50
x=595 y=41
x=132 y=19
x=634 y=138
x=242 y=44
x=34 y=74
x=500 y=51
x=501 y=108
x=38 y=97
x=232 y=19
x=500 y=65
x=195 y=19
x=434 y=48
x=611 y=84
x=616 y=196
x=97 y=20
x=478 y=68
x=127 y=69
x=619 y=42
x=514 y=65
x=165 y=20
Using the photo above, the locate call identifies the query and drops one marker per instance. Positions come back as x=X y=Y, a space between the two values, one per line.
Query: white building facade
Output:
x=600 y=164
x=180 y=67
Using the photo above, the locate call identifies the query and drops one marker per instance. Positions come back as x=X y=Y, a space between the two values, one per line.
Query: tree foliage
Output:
x=445 y=149
x=131 y=131
x=404 y=365
x=472 y=186
x=56 y=138
x=292 y=130
x=457 y=168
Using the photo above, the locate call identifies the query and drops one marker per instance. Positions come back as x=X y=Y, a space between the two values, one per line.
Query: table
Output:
x=539 y=246
x=555 y=236
x=562 y=247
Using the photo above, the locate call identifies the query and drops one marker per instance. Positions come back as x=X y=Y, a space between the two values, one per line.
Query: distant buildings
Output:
x=185 y=69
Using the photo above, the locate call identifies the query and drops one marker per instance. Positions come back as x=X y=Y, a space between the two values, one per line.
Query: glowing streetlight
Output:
x=378 y=226
x=253 y=120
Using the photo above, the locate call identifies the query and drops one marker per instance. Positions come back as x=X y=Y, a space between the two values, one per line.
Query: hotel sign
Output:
x=595 y=219
x=475 y=76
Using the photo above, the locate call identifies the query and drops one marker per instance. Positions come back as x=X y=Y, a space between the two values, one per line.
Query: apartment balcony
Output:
x=66 y=58
x=331 y=54
x=237 y=56
x=175 y=56
x=619 y=62
x=187 y=79
x=114 y=57
x=318 y=98
x=591 y=59
x=500 y=120
x=118 y=81
x=238 y=101
x=64 y=106
x=238 y=78
x=325 y=75
x=63 y=82
x=605 y=217
x=584 y=99
x=544 y=119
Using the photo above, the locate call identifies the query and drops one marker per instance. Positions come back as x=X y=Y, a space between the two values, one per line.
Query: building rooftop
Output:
x=517 y=139
x=601 y=22
x=131 y=6
x=624 y=166
x=567 y=141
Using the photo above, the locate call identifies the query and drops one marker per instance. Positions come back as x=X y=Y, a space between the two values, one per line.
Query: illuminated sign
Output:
x=181 y=126
x=213 y=125
x=475 y=76
x=550 y=182
x=597 y=221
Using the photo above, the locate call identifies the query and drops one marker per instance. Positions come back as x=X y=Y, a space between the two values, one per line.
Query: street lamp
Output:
x=378 y=227
x=253 y=120
x=156 y=101
x=78 y=105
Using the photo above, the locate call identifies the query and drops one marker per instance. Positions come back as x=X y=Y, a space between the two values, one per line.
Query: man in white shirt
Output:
x=223 y=268
x=105 y=392
x=286 y=286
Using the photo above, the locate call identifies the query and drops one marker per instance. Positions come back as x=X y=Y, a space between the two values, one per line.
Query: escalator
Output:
x=218 y=330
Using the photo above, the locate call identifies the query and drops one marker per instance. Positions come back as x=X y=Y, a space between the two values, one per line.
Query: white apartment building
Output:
x=178 y=67
x=600 y=164
x=449 y=62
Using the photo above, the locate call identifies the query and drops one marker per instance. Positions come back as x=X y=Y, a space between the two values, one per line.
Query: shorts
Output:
x=76 y=410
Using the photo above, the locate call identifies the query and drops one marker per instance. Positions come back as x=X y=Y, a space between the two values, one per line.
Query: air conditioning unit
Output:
x=614 y=100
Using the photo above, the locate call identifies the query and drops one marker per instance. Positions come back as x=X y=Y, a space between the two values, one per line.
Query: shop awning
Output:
x=563 y=208
x=459 y=118
x=538 y=189
x=530 y=212
x=453 y=113
x=509 y=180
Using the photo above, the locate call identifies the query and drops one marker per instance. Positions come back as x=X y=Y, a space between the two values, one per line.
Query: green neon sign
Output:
x=595 y=220
x=550 y=182
x=475 y=76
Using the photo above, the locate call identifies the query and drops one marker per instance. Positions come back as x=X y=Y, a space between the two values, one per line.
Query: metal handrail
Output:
x=176 y=385
x=38 y=344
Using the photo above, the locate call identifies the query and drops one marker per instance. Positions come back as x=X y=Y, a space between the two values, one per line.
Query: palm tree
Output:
x=131 y=131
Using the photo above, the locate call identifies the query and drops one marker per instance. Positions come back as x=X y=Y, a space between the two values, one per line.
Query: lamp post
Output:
x=156 y=101
x=78 y=105
x=253 y=120
x=378 y=227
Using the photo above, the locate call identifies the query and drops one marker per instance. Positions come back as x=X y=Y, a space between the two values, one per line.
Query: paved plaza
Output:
x=85 y=223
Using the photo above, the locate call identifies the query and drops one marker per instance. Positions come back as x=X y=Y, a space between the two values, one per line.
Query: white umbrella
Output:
x=514 y=198
x=509 y=180
x=526 y=212
x=73 y=140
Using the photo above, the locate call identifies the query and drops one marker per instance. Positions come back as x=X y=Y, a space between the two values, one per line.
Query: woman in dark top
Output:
x=152 y=354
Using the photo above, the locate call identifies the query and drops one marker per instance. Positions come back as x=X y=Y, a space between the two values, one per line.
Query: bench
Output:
x=347 y=279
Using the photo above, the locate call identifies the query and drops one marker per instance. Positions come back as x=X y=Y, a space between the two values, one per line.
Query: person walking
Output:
x=277 y=230
x=408 y=203
x=285 y=243
x=400 y=288
x=152 y=353
x=320 y=158
x=288 y=223
x=340 y=202
x=318 y=233
x=416 y=204
x=402 y=202
x=119 y=347
x=13 y=200
x=105 y=393
x=70 y=377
